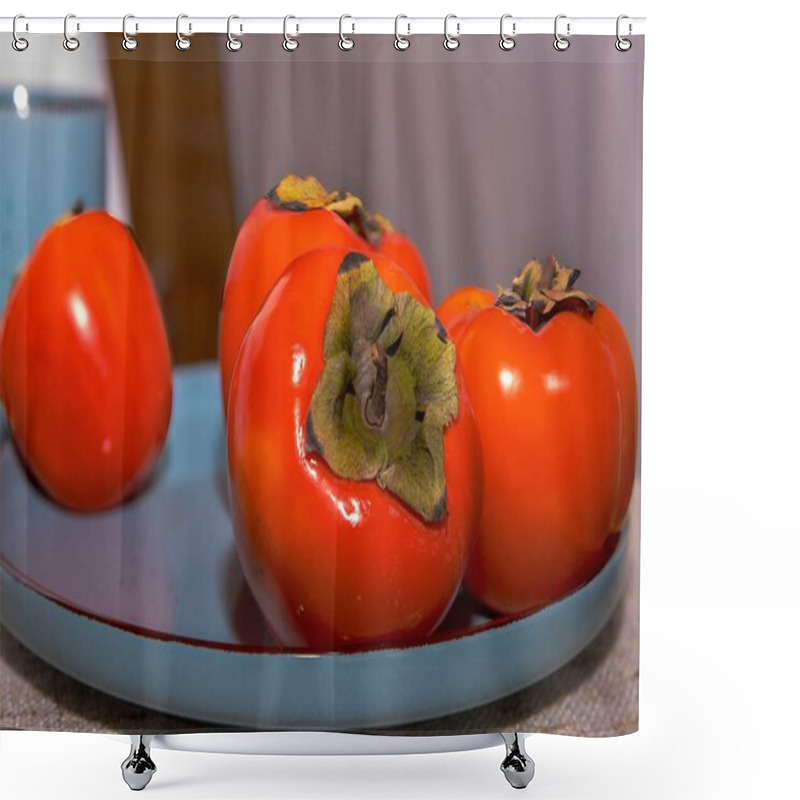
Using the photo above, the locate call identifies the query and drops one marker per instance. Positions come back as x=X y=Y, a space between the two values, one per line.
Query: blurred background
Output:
x=142 y=138
x=484 y=158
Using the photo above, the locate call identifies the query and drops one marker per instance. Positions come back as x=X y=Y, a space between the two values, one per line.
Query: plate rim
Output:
x=617 y=554
x=326 y=712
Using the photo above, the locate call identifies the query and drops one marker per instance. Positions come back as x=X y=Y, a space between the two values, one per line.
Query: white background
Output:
x=721 y=532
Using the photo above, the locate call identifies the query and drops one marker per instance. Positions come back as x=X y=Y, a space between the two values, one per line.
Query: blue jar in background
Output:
x=52 y=157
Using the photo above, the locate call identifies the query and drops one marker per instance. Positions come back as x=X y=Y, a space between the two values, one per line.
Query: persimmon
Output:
x=297 y=216
x=85 y=373
x=552 y=384
x=462 y=304
x=353 y=456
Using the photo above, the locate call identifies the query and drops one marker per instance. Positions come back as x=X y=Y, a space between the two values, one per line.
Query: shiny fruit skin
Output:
x=400 y=249
x=333 y=563
x=461 y=305
x=548 y=412
x=464 y=300
x=612 y=333
x=269 y=239
x=85 y=375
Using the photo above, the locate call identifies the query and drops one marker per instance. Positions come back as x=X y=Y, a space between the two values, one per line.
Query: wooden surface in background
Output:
x=169 y=106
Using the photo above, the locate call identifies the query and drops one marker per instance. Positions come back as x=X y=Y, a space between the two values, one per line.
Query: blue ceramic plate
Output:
x=148 y=602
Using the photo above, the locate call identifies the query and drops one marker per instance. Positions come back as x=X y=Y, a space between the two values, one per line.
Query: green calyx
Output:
x=538 y=293
x=387 y=390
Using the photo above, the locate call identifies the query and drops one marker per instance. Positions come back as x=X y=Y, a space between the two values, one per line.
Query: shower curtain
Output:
x=328 y=418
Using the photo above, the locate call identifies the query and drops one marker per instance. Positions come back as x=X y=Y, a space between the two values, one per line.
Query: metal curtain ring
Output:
x=290 y=43
x=18 y=43
x=451 y=42
x=507 y=42
x=560 y=42
x=623 y=45
x=70 y=42
x=181 y=42
x=233 y=44
x=128 y=42
x=345 y=43
x=401 y=42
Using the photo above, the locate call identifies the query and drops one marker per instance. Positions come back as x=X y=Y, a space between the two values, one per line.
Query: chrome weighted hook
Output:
x=290 y=43
x=451 y=42
x=182 y=42
x=128 y=42
x=18 y=43
x=345 y=43
x=71 y=43
x=233 y=44
x=401 y=42
x=623 y=45
x=560 y=43
x=507 y=42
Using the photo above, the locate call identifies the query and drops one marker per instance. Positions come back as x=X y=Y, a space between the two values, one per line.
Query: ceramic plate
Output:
x=148 y=603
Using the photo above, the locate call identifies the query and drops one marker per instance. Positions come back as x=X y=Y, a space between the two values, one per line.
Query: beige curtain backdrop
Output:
x=484 y=157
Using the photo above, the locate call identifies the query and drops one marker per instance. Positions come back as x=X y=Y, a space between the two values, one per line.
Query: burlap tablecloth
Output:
x=596 y=694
